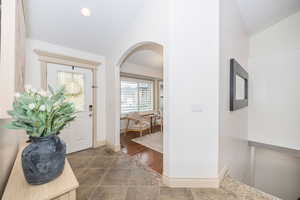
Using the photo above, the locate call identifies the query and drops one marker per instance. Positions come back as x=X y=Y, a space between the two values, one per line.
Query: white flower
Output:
x=43 y=93
x=42 y=108
x=33 y=90
x=17 y=95
x=31 y=106
x=28 y=88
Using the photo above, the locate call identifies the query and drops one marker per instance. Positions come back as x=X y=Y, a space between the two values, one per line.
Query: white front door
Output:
x=78 y=83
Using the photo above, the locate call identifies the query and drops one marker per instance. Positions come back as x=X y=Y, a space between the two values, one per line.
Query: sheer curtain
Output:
x=20 y=47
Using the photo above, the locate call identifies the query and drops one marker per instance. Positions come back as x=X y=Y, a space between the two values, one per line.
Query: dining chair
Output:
x=137 y=123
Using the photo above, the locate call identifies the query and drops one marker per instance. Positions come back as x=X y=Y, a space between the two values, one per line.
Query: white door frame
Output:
x=47 y=57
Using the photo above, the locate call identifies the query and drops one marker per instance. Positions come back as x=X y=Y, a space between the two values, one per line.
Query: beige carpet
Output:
x=153 y=141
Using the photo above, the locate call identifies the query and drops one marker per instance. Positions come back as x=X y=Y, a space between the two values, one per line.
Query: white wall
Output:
x=274 y=84
x=33 y=74
x=111 y=116
x=277 y=174
x=132 y=68
x=193 y=81
x=191 y=57
x=150 y=24
x=234 y=150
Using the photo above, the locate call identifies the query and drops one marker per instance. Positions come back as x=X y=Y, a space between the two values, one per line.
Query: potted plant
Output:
x=42 y=116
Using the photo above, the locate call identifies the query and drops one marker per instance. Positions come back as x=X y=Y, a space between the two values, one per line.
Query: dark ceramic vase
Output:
x=44 y=159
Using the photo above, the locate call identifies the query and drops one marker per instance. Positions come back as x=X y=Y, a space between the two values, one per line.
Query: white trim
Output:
x=46 y=57
x=8 y=56
x=139 y=81
x=191 y=182
x=118 y=106
x=137 y=76
x=115 y=148
x=286 y=150
x=49 y=57
x=117 y=133
x=100 y=143
x=196 y=182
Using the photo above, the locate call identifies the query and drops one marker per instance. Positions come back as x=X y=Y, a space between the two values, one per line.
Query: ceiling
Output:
x=260 y=14
x=60 y=22
x=150 y=55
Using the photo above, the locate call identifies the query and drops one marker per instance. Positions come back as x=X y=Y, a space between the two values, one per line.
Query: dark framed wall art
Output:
x=238 y=86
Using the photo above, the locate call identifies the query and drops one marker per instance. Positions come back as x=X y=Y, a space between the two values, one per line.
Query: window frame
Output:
x=160 y=101
x=139 y=80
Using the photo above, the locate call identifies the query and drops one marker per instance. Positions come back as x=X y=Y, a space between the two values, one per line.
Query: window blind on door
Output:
x=136 y=95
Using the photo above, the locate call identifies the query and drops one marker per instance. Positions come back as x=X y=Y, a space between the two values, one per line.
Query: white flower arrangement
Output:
x=40 y=114
x=42 y=108
x=43 y=93
x=17 y=95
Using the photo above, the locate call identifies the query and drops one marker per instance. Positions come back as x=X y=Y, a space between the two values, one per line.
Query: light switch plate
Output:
x=197 y=108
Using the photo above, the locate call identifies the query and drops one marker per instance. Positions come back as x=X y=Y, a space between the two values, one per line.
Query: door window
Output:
x=74 y=85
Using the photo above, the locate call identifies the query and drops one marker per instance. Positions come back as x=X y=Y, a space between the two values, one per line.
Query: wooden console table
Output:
x=62 y=188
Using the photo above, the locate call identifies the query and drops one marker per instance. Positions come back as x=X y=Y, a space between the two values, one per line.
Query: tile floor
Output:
x=106 y=175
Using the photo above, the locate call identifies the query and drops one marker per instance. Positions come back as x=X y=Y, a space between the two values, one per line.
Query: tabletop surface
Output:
x=18 y=188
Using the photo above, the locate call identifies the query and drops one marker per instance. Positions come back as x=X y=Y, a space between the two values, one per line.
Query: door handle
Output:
x=90 y=115
x=90 y=108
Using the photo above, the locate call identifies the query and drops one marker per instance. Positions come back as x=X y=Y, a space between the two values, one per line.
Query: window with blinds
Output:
x=136 y=95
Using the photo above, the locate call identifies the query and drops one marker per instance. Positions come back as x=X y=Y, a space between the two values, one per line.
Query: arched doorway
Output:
x=124 y=58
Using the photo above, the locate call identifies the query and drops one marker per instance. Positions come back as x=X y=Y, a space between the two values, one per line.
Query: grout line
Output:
x=101 y=179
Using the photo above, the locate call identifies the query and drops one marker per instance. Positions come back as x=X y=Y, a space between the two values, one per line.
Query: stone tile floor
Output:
x=106 y=175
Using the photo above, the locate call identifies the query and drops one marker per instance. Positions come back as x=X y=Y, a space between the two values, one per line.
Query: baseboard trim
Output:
x=100 y=143
x=115 y=148
x=191 y=182
x=196 y=182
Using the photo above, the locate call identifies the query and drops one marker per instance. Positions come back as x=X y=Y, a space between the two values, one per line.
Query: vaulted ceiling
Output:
x=260 y=14
x=60 y=21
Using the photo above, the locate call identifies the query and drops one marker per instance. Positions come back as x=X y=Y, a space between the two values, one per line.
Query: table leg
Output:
x=151 y=124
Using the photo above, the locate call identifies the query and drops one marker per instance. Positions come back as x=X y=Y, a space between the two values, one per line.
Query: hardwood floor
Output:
x=147 y=156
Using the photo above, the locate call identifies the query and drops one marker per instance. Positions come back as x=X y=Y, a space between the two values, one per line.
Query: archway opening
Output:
x=141 y=103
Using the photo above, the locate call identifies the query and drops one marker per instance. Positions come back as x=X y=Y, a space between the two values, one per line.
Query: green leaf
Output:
x=36 y=123
x=12 y=127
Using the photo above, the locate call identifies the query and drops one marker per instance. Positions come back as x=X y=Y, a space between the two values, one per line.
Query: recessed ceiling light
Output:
x=86 y=12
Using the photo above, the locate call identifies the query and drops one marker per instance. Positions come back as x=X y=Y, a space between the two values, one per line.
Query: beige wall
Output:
x=8 y=150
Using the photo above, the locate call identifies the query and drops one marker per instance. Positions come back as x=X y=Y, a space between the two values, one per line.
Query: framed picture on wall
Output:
x=238 y=86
